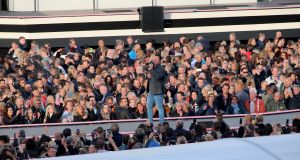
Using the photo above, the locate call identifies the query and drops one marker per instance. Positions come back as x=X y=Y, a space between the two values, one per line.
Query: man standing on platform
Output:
x=156 y=88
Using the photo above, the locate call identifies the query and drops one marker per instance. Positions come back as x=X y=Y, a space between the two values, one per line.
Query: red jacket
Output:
x=259 y=106
x=248 y=55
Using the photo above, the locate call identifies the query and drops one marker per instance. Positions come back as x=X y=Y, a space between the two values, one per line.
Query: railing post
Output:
x=94 y=5
x=35 y=5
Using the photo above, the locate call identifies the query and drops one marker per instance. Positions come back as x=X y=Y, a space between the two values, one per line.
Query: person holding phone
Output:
x=114 y=131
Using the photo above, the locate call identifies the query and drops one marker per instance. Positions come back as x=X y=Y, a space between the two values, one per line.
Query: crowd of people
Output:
x=188 y=77
x=70 y=142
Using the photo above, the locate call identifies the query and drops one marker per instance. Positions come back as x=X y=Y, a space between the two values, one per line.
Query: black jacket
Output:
x=206 y=110
x=180 y=132
x=140 y=116
x=294 y=102
x=122 y=113
x=139 y=91
x=92 y=116
x=53 y=119
x=220 y=102
x=13 y=120
x=79 y=118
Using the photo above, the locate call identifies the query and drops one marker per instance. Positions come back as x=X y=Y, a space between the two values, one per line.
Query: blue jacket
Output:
x=230 y=109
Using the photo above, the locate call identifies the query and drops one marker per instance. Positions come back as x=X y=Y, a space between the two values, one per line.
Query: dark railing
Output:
x=143 y=120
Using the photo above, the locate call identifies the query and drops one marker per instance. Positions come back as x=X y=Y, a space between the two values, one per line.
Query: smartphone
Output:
x=108 y=132
x=77 y=131
x=287 y=122
x=241 y=121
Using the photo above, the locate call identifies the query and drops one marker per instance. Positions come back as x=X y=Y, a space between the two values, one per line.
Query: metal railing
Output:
x=130 y=125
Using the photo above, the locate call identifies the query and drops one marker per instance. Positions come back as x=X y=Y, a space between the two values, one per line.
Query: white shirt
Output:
x=252 y=106
x=271 y=80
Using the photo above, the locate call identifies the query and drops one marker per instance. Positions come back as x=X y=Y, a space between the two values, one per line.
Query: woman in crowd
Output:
x=235 y=107
x=209 y=107
x=140 y=112
x=32 y=118
x=178 y=111
x=51 y=115
x=11 y=118
x=80 y=114
x=106 y=113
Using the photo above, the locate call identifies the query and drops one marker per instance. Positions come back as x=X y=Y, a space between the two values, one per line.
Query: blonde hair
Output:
x=48 y=107
x=277 y=130
x=240 y=83
x=248 y=118
x=259 y=118
x=2 y=107
x=207 y=90
x=209 y=137
x=181 y=140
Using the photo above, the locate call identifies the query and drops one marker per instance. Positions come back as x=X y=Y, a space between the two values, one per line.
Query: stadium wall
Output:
x=214 y=25
x=47 y=5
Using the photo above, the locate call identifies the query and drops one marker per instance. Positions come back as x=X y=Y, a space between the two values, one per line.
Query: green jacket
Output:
x=267 y=99
x=275 y=106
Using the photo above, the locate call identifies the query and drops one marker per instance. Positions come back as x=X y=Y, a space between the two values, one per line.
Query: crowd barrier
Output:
x=131 y=125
